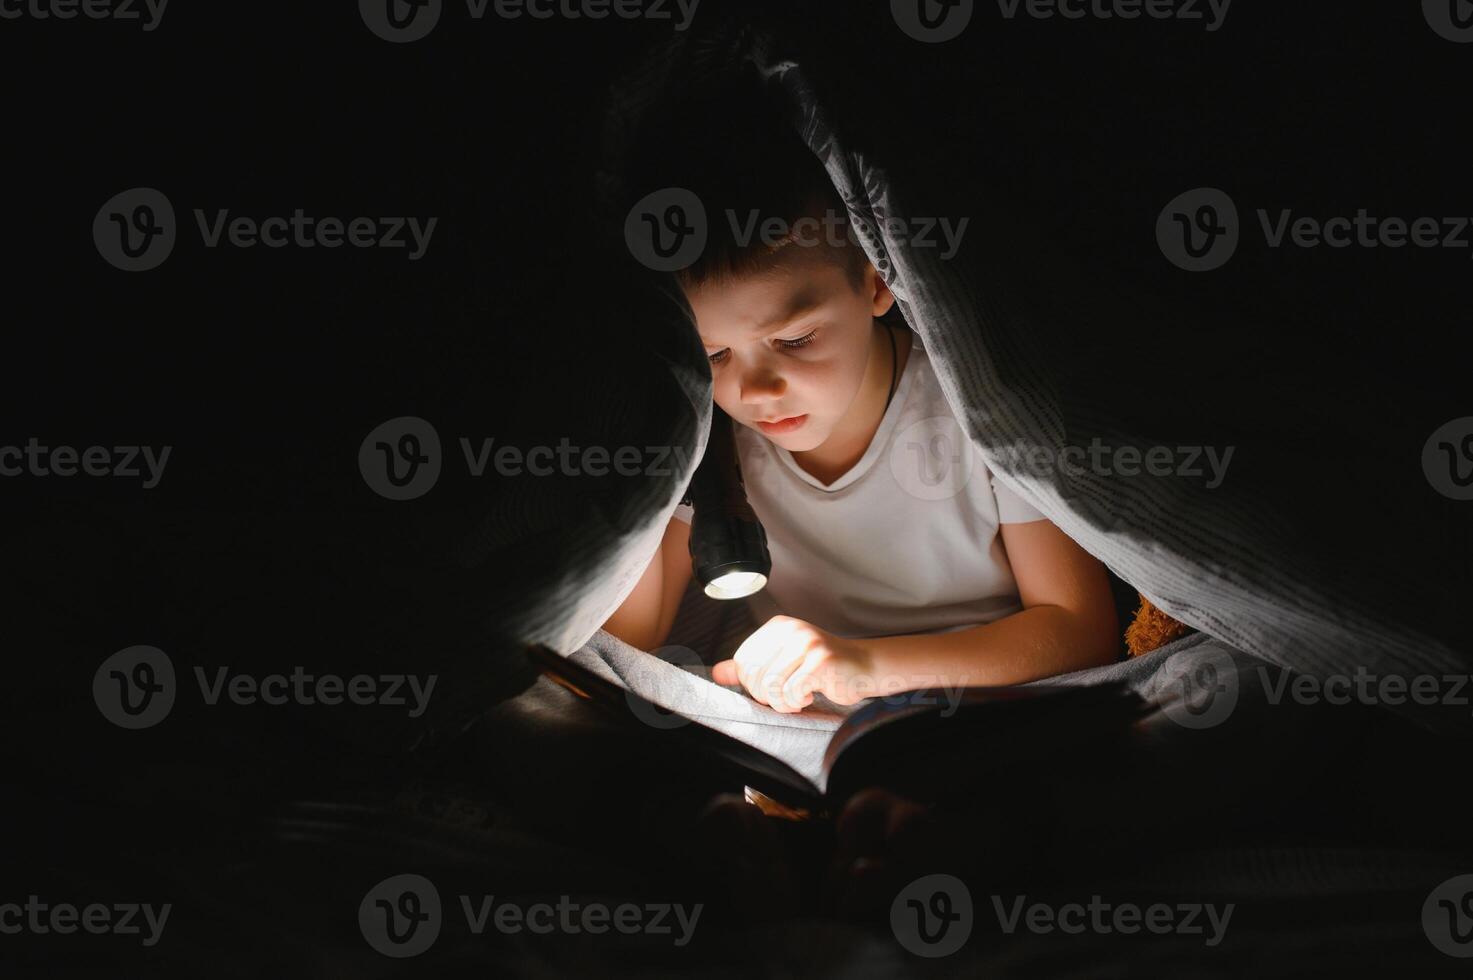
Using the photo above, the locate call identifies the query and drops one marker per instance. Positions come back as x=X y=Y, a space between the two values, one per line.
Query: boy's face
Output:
x=793 y=341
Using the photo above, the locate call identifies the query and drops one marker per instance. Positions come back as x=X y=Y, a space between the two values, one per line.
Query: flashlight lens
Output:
x=734 y=585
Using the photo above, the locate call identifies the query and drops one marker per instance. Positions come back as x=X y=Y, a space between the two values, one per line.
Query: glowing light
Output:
x=735 y=585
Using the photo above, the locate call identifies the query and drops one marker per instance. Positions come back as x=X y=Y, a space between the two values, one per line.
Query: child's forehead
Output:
x=758 y=305
x=732 y=323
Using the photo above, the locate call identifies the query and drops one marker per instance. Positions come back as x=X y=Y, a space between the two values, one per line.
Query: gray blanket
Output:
x=1214 y=559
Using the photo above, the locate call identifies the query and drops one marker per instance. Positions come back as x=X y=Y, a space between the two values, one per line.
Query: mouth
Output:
x=779 y=426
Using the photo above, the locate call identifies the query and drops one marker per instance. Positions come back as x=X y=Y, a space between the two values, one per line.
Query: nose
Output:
x=759 y=383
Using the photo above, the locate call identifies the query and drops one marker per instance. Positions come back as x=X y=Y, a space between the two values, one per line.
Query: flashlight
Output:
x=728 y=546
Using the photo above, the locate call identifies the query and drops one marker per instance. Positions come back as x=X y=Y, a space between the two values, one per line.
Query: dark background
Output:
x=264 y=368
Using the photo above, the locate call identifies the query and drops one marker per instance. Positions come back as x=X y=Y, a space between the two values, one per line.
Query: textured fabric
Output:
x=1214 y=561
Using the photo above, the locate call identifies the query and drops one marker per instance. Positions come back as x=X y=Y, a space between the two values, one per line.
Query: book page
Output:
x=799 y=740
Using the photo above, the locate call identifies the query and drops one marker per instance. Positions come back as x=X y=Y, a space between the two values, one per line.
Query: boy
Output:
x=880 y=581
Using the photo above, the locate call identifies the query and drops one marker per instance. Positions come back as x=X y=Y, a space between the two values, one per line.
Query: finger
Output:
x=804 y=680
x=768 y=642
x=775 y=675
x=725 y=672
x=755 y=648
x=806 y=648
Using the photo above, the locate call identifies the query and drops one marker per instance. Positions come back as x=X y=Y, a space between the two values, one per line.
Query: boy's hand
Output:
x=785 y=660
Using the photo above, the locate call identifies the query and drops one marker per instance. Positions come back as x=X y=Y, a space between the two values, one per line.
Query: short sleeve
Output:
x=684 y=512
x=1011 y=508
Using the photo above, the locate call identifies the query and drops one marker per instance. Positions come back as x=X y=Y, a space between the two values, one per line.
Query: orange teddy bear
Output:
x=1151 y=629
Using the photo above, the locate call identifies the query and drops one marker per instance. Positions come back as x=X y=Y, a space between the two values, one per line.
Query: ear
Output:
x=874 y=287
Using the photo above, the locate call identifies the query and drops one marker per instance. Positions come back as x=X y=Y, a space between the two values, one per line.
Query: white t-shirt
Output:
x=905 y=542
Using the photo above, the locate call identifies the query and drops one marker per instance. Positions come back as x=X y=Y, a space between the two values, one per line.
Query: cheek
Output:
x=823 y=384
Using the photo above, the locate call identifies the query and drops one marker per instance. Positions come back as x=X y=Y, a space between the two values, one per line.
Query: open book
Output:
x=925 y=745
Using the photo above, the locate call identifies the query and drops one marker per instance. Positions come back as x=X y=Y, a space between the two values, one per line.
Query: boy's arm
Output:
x=644 y=619
x=1067 y=623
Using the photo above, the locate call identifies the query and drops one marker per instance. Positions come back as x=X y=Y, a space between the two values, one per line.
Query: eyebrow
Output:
x=802 y=305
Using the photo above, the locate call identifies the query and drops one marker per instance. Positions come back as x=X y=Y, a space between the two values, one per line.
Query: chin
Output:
x=799 y=442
